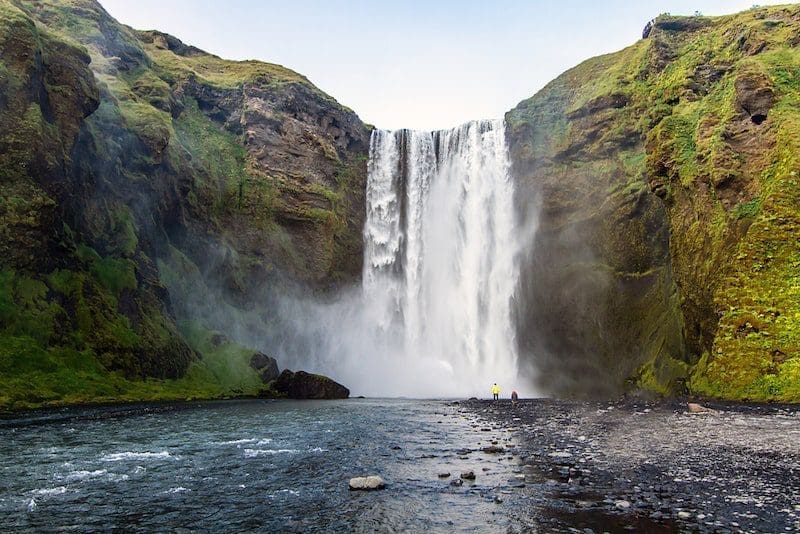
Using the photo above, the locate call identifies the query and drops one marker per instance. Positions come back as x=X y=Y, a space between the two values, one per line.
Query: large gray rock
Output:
x=368 y=483
x=302 y=385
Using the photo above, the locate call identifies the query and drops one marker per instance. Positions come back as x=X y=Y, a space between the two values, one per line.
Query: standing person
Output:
x=514 y=398
x=495 y=391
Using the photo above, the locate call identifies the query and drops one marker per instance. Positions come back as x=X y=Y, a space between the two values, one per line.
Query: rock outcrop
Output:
x=266 y=366
x=666 y=177
x=302 y=385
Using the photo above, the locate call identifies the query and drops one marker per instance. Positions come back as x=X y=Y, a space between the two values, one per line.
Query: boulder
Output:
x=368 y=483
x=302 y=385
x=266 y=366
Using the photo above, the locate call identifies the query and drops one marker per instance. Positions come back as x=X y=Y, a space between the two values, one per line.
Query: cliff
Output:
x=668 y=248
x=157 y=202
x=140 y=176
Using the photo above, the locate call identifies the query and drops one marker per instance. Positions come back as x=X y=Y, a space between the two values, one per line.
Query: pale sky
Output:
x=414 y=63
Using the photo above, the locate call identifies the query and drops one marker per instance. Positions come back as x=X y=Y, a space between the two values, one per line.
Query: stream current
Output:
x=251 y=465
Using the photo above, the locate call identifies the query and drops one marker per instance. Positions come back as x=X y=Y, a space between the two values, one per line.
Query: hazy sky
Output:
x=414 y=63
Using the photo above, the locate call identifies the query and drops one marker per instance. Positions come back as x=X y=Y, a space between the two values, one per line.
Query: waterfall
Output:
x=439 y=260
x=433 y=315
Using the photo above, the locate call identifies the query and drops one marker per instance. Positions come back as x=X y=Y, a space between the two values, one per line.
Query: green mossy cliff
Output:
x=130 y=161
x=156 y=201
x=667 y=176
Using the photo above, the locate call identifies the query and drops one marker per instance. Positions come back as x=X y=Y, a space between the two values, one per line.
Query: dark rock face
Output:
x=597 y=294
x=110 y=303
x=266 y=366
x=660 y=200
x=302 y=385
x=177 y=185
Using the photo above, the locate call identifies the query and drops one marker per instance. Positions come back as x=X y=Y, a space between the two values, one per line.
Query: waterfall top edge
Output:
x=494 y=123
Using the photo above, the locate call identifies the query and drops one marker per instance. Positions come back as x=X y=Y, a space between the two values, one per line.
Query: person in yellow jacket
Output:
x=495 y=391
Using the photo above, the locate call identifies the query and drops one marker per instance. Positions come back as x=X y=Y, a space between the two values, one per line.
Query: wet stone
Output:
x=468 y=475
x=368 y=483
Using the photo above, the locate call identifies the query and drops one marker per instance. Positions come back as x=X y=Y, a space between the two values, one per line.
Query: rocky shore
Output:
x=652 y=467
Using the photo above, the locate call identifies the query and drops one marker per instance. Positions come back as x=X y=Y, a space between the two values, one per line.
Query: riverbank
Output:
x=545 y=465
x=653 y=466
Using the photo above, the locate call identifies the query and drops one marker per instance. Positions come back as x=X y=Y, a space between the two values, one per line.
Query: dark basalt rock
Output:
x=302 y=385
x=266 y=366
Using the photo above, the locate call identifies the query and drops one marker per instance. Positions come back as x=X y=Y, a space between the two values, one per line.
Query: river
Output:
x=252 y=465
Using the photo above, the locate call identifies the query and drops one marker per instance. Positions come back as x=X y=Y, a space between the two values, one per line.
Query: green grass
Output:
x=225 y=74
x=32 y=375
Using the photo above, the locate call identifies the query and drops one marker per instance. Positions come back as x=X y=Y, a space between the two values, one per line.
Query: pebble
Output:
x=444 y=475
x=468 y=475
x=622 y=505
x=684 y=515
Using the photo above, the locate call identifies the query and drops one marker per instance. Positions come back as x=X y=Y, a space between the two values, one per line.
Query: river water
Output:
x=253 y=465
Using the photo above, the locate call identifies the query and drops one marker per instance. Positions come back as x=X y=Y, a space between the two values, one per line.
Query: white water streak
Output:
x=440 y=252
x=433 y=316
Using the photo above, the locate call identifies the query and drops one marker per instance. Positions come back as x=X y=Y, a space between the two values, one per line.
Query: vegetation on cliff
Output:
x=121 y=151
x=669 y=172
x=155 y=199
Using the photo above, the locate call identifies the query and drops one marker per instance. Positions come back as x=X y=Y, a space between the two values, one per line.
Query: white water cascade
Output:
x=439 y=261
x=433 y=317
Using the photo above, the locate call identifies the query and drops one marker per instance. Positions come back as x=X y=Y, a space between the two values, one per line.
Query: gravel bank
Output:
x=653 y=467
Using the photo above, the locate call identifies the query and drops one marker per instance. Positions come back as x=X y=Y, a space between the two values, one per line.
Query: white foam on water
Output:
x=283 y=492
x=252 y=453
x=179 y=489
x=237 y=441
x=48 y=492
x=84 y=475
x=317 y=449
x=130 y=455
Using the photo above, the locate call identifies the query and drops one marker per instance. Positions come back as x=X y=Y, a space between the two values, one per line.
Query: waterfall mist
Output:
x=434 y=314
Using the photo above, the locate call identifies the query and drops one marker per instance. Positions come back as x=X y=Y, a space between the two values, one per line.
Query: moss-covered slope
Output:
x=129 y=160
x=669 y=243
